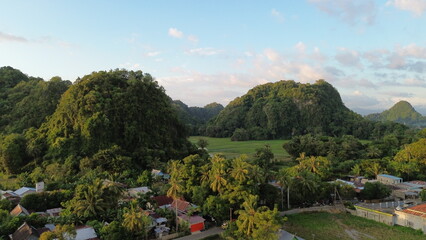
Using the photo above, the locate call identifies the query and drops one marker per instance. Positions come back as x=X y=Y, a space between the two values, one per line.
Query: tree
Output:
x=375 y=190
x=91 y=203
x=285 y=180
x=202 y=143
x=217 y=174
x=316 y=165
x=135 y=221
x=240 y=168
x=61 y=232
x=423 y=195
x=12 y=153
x=257 y=223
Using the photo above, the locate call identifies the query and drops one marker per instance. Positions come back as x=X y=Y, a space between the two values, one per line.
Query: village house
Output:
x=19 y=211
x=388 y=179
x=413 y=217
x=25 y=232
x=185 y=210
x=135 y=192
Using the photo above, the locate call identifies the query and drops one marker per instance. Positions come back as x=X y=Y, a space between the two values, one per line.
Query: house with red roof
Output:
x=413 y=217
x=185 y=210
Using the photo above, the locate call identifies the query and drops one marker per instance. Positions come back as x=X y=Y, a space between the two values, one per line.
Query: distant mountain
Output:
x=401 y=112
x=284 y=109
x=195 y=118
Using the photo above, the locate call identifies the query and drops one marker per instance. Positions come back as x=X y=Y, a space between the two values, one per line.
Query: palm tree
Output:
x=135 y=220
x=285 y=180
x=205 y=177
x=240 y=169
x=175 y=169
x=257 y=174
x=375 y=169
x=317 y=165
x=246 y=219
x=92 y=203
x=174 y=192
x=217 y=174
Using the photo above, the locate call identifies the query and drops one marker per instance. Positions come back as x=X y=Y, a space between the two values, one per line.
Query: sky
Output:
x=372 y=51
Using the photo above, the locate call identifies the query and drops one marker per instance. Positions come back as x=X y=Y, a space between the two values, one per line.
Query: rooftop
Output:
x=390 y=176
x=418 y=210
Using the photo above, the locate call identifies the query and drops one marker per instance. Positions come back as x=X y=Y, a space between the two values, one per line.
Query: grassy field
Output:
x=232 y=149
x=345 y=226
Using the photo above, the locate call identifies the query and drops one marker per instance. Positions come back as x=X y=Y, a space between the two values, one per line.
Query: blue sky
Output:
x=372 y=51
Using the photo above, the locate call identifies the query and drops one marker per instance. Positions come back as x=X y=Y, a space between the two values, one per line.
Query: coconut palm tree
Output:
x=174 y=192
x=240 y=169
x=135 y=221
x=217 y=174
x=246 y=219
x=92 y=204
x=285 y=179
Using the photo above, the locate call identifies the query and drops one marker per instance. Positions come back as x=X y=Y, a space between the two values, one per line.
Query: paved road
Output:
x=211 y=231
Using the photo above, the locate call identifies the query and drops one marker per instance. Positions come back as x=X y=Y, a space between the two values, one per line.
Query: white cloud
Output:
x=131 y=66
x=301 y=47
x=192 y=38
x=152 y=54
x=204 y=51
x=277 y=15
x=349 y=58
x=174 y=32
x=5 y=37
x=271 y=54
x=350 y=11
x=417 y=7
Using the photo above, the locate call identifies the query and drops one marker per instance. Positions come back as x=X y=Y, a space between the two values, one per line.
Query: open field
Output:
x=233 y=148
x=345 y=226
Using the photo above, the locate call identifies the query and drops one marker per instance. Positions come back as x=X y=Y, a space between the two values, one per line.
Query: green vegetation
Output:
x=117 y=120
x=284 y=109
x=401 y=112
x=195 y=118
x=231 y=149
x=342 y=226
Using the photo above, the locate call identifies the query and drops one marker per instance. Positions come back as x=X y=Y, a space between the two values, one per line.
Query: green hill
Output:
x=401 y=112
x=285 y=108
x=115 y=120
x=195 y=118
x=25 y=101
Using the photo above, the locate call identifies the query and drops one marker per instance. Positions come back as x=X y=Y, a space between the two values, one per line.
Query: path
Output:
x=332 y=209
x=210 y=232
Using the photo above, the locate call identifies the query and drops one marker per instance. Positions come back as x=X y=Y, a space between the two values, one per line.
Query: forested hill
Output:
x=401 y=112
x=116 y=120
x=195 y=118
x=25 y=101
x=286 y=108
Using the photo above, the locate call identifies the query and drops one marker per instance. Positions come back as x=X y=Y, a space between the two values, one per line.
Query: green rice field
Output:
x=232 y=149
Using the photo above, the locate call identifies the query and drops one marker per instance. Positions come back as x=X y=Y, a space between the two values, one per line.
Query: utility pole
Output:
x=230 y=215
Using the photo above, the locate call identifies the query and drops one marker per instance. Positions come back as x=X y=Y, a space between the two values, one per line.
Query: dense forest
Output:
x=117 y=120
x=284 y=109
x=195 y=118
x=402 y=112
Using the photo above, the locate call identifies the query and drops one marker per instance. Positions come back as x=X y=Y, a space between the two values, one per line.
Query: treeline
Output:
x=285 y=109
x=196 y=118
x=401 y=155
x=117 y=120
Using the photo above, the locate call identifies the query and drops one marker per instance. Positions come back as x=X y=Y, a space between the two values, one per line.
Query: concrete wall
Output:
x=410 y=220
x=375 y=215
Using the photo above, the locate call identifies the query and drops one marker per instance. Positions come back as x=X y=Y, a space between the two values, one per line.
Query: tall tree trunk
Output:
x=288 y=197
